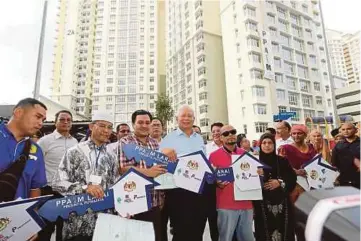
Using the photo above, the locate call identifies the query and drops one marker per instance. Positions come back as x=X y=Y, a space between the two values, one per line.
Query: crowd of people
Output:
x=57 y=164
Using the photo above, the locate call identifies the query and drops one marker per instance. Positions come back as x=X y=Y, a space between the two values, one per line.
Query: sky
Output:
x=20 y=24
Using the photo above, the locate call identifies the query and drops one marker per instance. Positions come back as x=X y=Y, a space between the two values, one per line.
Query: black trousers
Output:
x=188 y=213
x=211 y=212
x=165 y=217
x=154 y=216
x=80 y=238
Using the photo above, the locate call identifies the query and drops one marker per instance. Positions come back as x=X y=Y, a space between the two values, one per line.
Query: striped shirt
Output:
x=157 y=195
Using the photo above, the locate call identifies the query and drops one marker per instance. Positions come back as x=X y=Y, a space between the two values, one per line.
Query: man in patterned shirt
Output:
x=87 y=168
x=141 y=121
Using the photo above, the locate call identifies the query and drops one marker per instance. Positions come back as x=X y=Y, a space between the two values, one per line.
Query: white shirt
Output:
x=54 y=147
x=211 y=147
x=280 y=142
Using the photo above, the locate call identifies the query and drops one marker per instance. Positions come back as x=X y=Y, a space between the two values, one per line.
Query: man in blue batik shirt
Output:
x=27 y=119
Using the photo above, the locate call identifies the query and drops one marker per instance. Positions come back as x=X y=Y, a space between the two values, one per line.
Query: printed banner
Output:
x=150 y=156
x=192 y=171
x=225 y=174
x=19 y=220
x=320 y=174
x=78 y=204
x=132 y=193
x=267 y=56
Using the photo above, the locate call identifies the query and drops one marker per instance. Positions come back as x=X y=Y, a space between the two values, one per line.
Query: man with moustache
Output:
x=87 y=168
x=283 y=130
x=54 y=147
x=187 y=209
x=141 y=121
x=233 y=216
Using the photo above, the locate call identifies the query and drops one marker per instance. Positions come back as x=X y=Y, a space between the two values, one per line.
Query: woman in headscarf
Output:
x=274 y=215
x=298 y=153
x=321 y=145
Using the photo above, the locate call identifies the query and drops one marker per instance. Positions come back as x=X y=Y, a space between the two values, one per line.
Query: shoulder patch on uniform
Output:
x=33 y=149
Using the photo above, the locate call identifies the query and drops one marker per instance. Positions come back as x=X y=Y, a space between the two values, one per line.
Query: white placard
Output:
x=114 y=228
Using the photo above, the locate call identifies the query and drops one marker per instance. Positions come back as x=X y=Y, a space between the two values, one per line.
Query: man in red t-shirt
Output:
x=233 y=216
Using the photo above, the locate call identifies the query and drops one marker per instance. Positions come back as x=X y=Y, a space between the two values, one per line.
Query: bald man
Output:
x=346 y=156
x=233 y=216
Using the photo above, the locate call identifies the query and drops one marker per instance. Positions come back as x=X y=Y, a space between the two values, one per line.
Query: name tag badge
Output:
x=96 y=180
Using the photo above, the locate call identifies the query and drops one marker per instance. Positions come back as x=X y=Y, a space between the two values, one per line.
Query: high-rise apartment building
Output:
x=275 y=58
x=115 y=65
x=351 y=49
x=335 y=52
x=194 y=60
x=73 y=57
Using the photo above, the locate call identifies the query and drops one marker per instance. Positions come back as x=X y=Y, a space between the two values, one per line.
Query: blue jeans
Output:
x=239 y=221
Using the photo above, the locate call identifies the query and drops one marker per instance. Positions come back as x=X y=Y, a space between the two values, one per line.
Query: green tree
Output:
x=163 y=109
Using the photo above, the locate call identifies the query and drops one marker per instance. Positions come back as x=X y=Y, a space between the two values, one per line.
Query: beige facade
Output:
x=73 y=63
x=194 y=60
x=348 y=101
x=106 y=57
x=275 y=60
x=351 y=48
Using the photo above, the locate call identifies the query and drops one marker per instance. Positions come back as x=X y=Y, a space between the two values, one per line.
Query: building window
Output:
x=329 y=102
x=203 y=122
x=305 y=86
x=291 y=83
x=271 y=18
x=258 y=91
x=239 y=62
x=308 y=113
x=282 y=109
x=203 y=109
x=189 y=101
x=243 y=111
x=203 y=96
x=260 y=109
x=318 y=100
x=109 y=89
x=242 y=94
x=256 y=58
x=256 y=74
x=289 y=68
x=201 y=71
x=281 y=95
x=249 y=11
x=108 y=107
x=189 y=89
x=302 y=72
x=320 y=113
x=298 y=114
x=292 y=98
x=285 y=40
x=317 y=86
x=300 y=58
x=277 y=62
x=307 y=101
x=287 y=54
x=278 y=78
x=250 y=26
x=261 y=127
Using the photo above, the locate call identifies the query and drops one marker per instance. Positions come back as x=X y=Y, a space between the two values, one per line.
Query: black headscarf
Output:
x=267 y=158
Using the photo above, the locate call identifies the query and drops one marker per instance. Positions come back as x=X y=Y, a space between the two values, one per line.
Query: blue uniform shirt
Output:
x=33 y=176
x=183 y=144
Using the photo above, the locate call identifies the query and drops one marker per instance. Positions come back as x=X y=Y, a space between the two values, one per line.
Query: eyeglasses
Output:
x=227 y=133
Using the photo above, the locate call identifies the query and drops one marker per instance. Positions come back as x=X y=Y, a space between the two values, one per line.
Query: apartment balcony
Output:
x=251 y=32
x=203 y=102
x=256 y=65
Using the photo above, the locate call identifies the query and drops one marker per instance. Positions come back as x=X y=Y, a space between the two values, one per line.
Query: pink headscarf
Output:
x=299 y=128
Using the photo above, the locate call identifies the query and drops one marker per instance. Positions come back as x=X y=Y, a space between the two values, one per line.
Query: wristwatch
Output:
x=282 y=183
